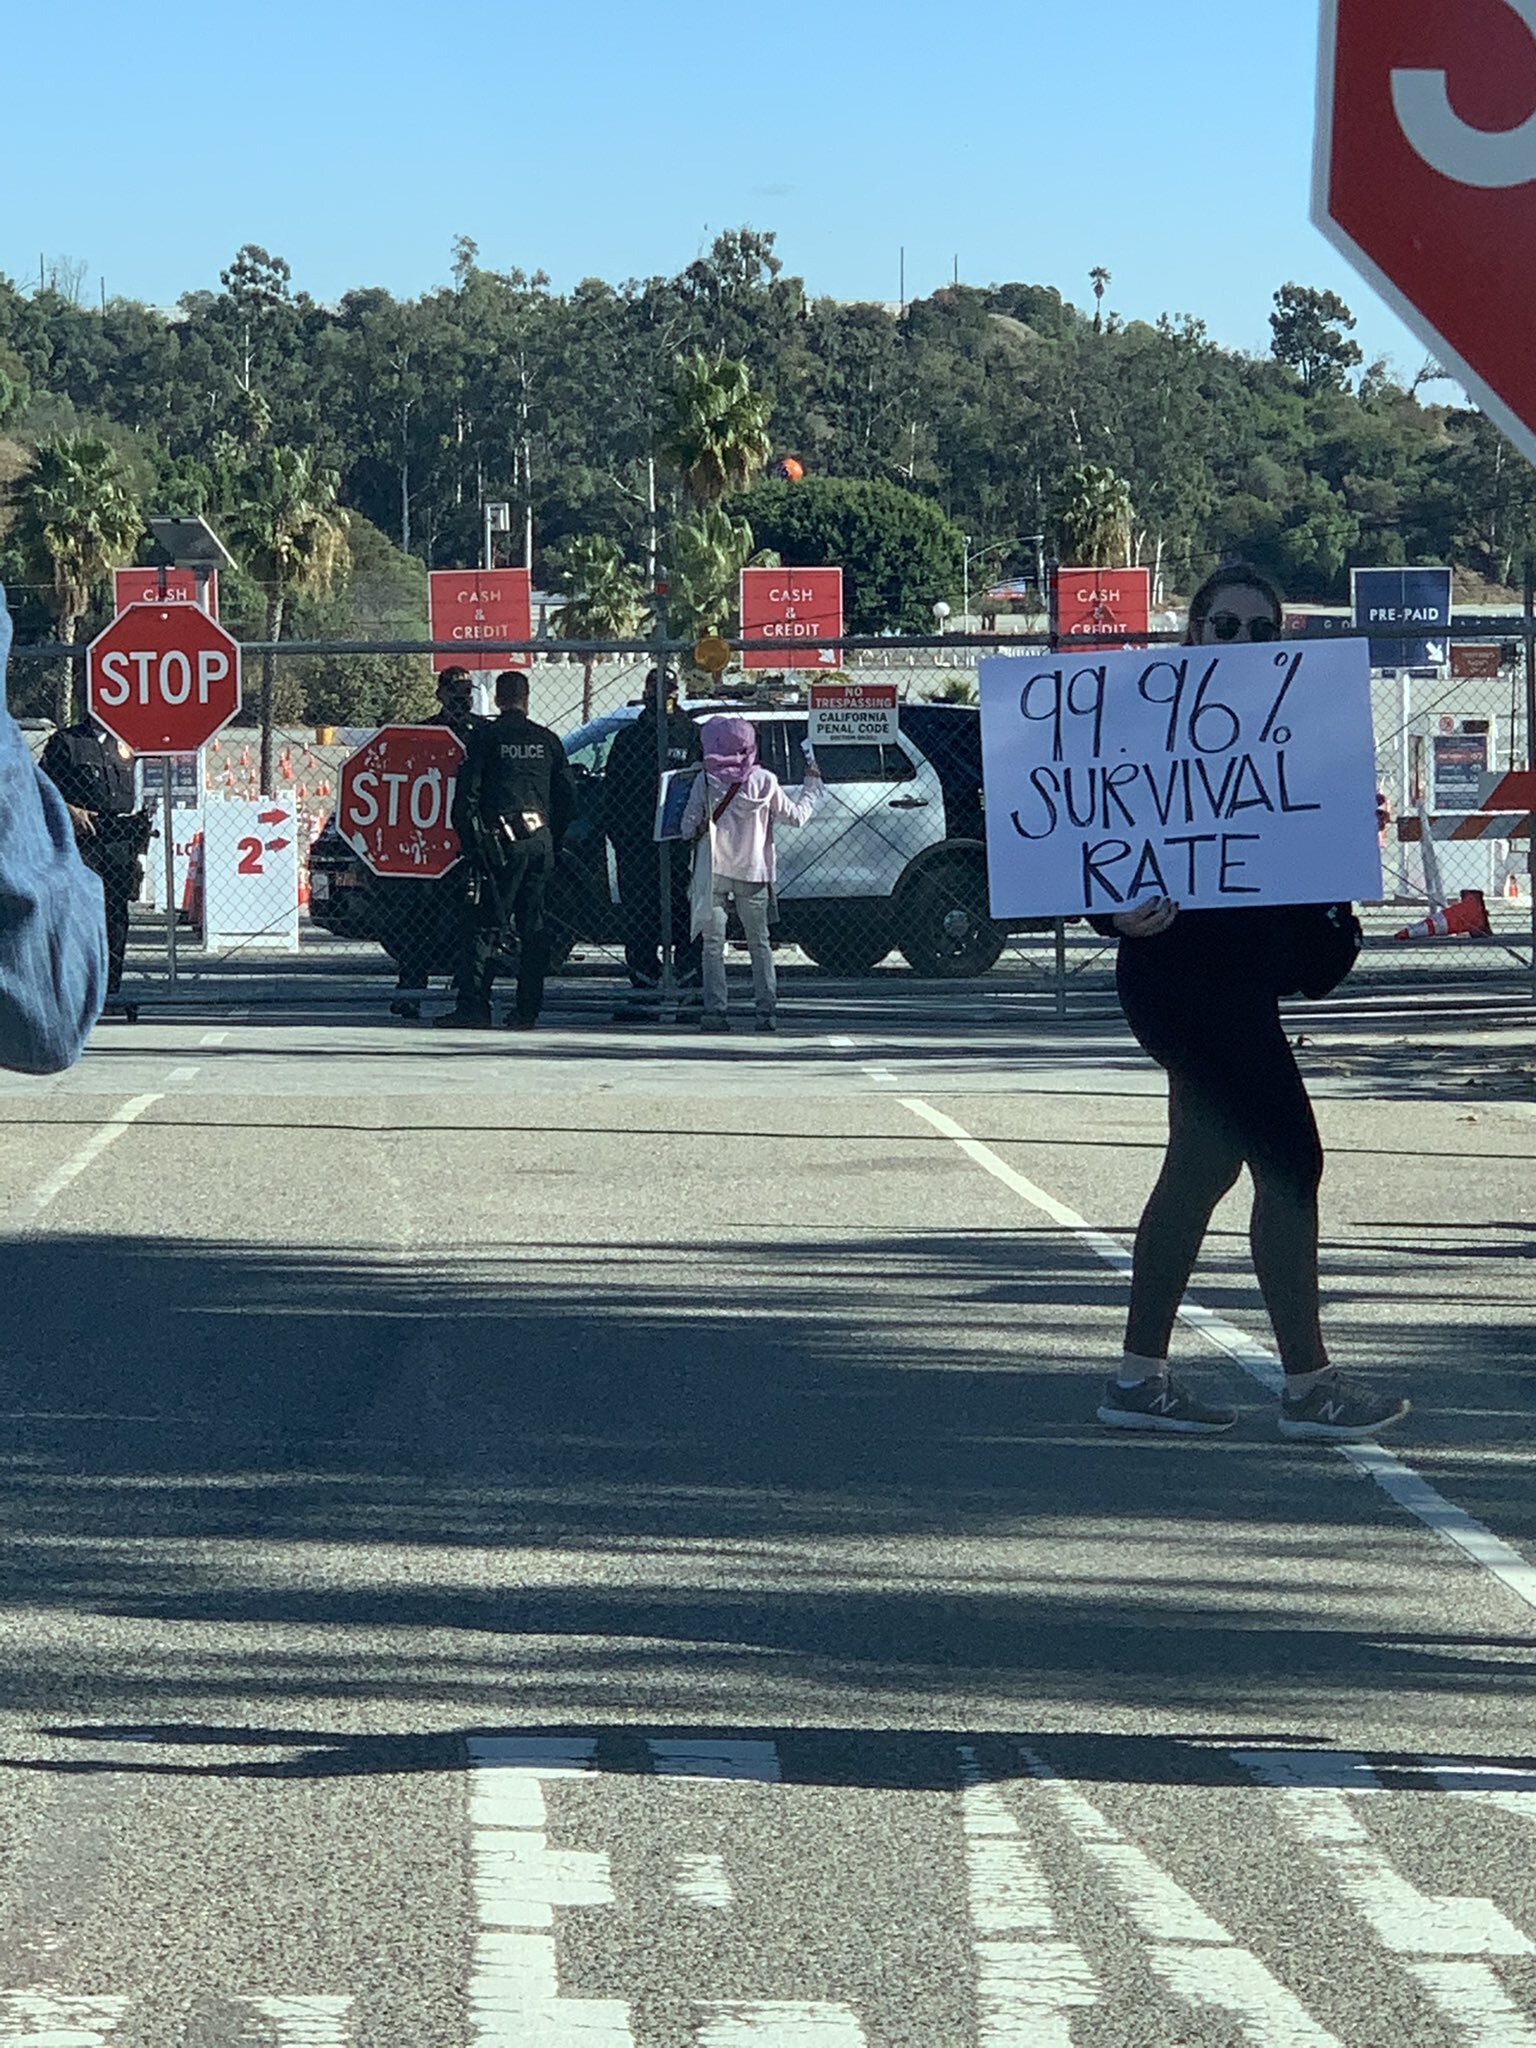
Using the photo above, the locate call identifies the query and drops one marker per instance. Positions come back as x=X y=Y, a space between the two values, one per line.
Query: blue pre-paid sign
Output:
x=1405 y=613
x=1212 y=775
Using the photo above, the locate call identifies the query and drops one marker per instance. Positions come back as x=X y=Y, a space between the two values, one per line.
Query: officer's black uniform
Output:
x=422 y=923
x=89 y=771
x=515 y=799
x=630 y=779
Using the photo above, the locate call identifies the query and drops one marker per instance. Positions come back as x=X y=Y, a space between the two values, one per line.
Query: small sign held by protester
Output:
x=849 y=714
x=1210 y=776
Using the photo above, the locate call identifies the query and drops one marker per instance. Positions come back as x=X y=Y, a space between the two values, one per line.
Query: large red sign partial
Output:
x=161 y=586
x=468 y=605
x=1425 y=179
x=394 y=800
x=1095 y=604
x=795 y=607
x=164 y=678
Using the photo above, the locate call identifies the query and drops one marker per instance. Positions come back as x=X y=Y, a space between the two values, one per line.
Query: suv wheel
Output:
x=848 y=943
x=943 y=928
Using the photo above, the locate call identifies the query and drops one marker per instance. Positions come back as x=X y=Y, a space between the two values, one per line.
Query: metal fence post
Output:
x=168 y=835
x=1530 y=741
x=666 y=1012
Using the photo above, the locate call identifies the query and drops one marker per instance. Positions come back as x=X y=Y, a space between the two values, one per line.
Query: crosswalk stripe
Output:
x=1406 y=1920
x=1194 y=1955
x=1026 y=1991
x=780 y=2023
x=1480 y=2011
x=305 y=2022
x=50 y=2019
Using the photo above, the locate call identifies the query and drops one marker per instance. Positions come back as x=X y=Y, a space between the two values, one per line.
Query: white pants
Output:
x=752 y=908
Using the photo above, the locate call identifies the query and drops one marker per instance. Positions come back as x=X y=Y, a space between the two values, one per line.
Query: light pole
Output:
x=940 y=614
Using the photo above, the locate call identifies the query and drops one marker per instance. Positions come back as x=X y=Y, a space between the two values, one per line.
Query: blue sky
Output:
x=1169 y=140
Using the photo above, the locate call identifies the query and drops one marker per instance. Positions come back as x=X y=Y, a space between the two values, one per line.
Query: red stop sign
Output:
x=1426 y=180
x=163 y=678
x=394 y=800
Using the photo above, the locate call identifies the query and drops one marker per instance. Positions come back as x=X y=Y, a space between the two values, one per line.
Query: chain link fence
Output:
x=255 y=896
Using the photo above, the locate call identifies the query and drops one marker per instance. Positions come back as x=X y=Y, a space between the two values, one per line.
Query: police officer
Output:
x=420 y=922
x=630 y=779
x=94 y=774
x=514 y=801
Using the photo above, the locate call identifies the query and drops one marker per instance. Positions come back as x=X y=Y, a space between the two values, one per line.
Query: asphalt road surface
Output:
x=598 y=1540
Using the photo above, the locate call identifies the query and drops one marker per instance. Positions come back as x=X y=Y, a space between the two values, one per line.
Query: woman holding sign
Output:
x=1201 y=989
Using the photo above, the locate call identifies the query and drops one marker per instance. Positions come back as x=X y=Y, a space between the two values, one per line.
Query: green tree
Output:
x=898 y=553
x=716 y=436
x=605 y=599
x=1093 y=516
x=707 y=551
x=1310 y=330
x=77 y=520
x=293 y=536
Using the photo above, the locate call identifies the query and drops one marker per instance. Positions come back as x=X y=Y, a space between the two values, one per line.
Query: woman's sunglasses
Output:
x=1228 y=626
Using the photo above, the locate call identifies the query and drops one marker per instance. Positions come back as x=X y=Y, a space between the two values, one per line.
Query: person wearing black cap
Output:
x=630 y=779
x=515 y=799
x=422 y=922
x=94 y=774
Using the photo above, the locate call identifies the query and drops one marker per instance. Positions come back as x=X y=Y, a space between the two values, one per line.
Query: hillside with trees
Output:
x=345 y=449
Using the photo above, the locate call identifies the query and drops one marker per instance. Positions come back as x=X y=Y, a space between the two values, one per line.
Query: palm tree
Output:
x=1100 y=279
x=78 y=520
x=707 y=555
x=293 y=535
x=716 y=437
x=1093 y=515
x=605 y=599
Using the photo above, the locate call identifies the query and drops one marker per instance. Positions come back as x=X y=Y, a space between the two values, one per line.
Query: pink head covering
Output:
x=730 y=747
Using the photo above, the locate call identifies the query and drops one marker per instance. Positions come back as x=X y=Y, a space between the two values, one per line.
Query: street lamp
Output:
x=940 y=613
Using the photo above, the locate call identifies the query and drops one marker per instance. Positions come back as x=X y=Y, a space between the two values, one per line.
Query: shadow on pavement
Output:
x=781 y=1475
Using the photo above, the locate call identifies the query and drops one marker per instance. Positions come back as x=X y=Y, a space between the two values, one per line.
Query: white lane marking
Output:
x=1478 y=2008
x=703 y=1880
x=213 y=1038
x=1406 y=1921
x=1025 y=1990
x=27 y=1211
x=181 y=1074
x=880 y=1074
x=48 y=2019
x=518 y=1881
x=1193 y=1954
x=780 y=2023
x=305 y=2022
x=753 y=1761
x=1398 y=1481
x=842 y=1044
x=1234 y=1981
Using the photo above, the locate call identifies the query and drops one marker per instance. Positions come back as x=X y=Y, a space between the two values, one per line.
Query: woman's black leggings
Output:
x=1235 y=1098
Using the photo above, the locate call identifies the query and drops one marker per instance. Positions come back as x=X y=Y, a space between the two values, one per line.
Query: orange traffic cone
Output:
x=1467 y=919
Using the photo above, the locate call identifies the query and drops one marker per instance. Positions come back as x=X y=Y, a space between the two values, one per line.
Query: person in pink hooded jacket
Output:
x=730 y=815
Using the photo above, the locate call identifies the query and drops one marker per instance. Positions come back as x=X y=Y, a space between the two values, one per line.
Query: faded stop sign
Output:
x=394 y=801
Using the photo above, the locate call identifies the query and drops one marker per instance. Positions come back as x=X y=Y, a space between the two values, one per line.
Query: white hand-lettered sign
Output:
x=1217 y=775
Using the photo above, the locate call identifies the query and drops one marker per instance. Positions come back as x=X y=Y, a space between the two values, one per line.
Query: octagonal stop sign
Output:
x=1426 y=180
x=394 y=800
x=163 y=678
